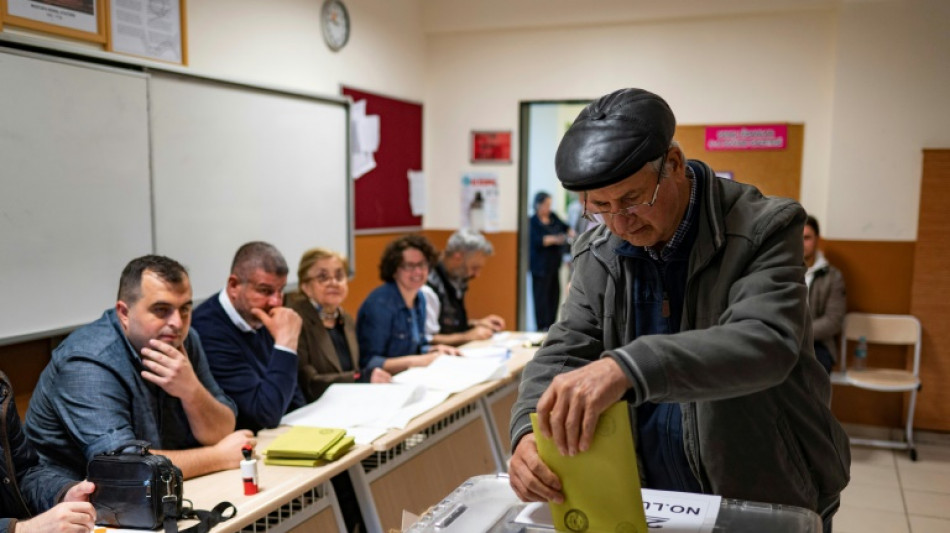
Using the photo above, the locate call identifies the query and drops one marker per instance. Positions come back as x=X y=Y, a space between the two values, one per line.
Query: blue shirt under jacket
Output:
x=386 y=327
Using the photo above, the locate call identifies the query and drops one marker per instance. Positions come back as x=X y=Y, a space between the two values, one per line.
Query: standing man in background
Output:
x=251 y=338
x=447 y=319
x=136 y=373
x=688 y=303
x=826 y=296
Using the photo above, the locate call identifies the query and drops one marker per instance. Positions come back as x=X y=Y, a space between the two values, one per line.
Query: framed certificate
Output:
x=153 y=29
x=77 y=19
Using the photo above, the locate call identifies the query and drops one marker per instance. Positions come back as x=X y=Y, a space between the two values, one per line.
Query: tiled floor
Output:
x=889 y=493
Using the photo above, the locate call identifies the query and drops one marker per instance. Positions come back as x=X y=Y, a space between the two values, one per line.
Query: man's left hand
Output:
x=569 y=410
x=169 y=368
x=494 y=322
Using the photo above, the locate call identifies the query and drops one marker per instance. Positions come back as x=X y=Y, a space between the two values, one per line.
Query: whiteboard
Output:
x=74 y=189
x=232 y=164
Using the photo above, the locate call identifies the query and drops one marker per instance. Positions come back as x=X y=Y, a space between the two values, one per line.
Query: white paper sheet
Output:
x=453 y=374
x=417 y=192
x=498 y=353
x=345 y=405
x=364 y=139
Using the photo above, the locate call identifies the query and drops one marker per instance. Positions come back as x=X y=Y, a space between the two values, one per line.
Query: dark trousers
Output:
x=349 y=507
x=546 y=290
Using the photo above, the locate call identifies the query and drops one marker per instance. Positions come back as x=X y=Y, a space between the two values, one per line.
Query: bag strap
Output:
x=206 y=519
x=141 y=447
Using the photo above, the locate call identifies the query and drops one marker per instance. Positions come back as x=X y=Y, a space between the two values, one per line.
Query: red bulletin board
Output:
x=382 y=194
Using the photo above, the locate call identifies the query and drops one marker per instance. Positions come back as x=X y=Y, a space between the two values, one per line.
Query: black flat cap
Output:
x=613 y=138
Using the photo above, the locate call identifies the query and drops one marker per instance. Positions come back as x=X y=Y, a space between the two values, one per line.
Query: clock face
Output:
x=335 y=22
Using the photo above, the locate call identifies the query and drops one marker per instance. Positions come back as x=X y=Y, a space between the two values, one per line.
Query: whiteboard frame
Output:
x=50 y=50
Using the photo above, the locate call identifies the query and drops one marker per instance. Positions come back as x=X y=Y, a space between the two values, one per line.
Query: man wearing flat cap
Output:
x=689 y=303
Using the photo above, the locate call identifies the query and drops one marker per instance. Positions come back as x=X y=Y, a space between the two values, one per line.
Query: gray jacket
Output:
x=828 y=304
x=756 y=420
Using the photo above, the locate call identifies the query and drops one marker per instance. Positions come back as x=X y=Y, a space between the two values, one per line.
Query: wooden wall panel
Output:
x=878 y=277
x=494 y=291
x=930 y=293
x=774 y=172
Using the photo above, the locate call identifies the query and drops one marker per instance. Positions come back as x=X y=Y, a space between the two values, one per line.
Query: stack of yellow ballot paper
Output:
x=601 y=486
x=308 y=446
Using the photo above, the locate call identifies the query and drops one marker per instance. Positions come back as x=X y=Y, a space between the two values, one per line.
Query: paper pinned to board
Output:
x=364 y=139
x=417 y=192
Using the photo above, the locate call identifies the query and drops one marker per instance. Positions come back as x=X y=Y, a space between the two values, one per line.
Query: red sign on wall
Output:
x=491 y=147
x=752 y=137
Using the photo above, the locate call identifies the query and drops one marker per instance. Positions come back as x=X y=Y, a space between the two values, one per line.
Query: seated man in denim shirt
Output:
x=136 y=373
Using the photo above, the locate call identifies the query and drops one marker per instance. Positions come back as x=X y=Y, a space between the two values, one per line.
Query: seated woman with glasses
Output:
x=327 y=350
x=390 y=324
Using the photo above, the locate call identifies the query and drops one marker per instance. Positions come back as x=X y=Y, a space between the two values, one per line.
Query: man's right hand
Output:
x=283 y=323
x=530 y=478
x=378 y=375
x=229 y=448
x=67 y=517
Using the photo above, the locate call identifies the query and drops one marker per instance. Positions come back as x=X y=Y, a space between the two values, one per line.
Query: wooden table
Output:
x=415 y=467
x=405 y=469
x=290 y=497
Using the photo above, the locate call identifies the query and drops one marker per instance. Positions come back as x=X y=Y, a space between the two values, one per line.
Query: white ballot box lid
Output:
x=487 y=504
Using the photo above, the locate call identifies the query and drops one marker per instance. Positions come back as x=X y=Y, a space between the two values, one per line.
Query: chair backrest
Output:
x=881 y=329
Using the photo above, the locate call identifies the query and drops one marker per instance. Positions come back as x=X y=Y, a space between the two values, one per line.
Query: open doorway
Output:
x=542 y=124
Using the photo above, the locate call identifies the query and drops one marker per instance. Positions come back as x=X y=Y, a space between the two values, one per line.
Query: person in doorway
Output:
x=547 y=237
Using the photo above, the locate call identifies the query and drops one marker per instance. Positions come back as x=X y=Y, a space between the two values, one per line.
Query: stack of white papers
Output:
x=366 y=411
x=510 y=339
x=453 y=374
x=486 y=352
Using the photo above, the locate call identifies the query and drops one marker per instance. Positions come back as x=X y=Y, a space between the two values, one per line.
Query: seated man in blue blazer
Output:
x=251 y=339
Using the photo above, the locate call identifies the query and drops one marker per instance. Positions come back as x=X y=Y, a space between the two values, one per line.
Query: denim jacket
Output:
x=386 y=327
x=91 y=398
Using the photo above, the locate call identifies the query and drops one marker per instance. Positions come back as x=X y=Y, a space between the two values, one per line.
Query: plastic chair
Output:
x=883 y=329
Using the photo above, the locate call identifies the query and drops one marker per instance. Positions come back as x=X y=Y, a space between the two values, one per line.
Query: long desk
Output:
x=406 y=469
x=414 y=467
x=290 y=498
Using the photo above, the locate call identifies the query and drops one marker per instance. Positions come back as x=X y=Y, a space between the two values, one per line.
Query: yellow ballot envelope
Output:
x=601 y=486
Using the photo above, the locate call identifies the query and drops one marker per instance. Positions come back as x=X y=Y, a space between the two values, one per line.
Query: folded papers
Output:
x=601 y=486
x=308 y=446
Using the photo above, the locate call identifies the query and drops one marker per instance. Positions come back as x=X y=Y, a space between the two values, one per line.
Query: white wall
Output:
x=761 y=68
x=280 y=43
x=867 y=78
x=891 y=100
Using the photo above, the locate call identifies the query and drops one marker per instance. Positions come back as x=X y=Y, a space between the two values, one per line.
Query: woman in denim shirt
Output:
x=390 y=325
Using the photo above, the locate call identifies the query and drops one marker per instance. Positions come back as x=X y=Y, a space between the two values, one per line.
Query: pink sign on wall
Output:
x=754 y=137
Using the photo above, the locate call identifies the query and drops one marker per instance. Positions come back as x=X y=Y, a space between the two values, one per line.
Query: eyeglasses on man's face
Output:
x=630 y=210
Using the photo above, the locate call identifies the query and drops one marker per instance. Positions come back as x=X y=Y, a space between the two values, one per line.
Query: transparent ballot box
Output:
x=487 y=504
